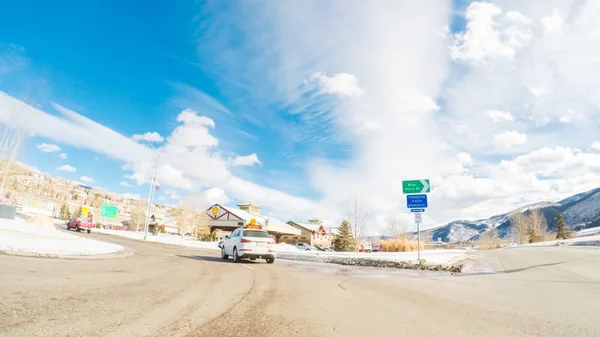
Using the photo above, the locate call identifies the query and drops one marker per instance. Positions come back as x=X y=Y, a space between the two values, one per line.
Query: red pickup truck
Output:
x=80 y=224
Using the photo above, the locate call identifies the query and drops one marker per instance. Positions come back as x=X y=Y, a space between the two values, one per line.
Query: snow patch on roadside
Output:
x=580 y=241
x=17 y=236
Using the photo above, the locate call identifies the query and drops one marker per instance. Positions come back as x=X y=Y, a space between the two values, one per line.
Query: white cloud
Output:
x=125 y=184
x=509 y=139
x=248 y=160
x=150 y=136
x=552 y=23
x=63 y=156
x=342 y=84
x=66 y=168
x=505 y=61
x=86 y=179
x=596 y=146
x=465 y=159
x=518 y=17
x=482 y=40
x=500 y=116
x=568 y=117
x=44 y=147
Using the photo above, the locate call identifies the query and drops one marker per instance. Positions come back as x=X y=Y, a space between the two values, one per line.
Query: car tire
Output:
x=223 y=255
x=236 y=257
x=270 y=260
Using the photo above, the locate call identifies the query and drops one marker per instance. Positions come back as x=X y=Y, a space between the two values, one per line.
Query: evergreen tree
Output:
x=561 y=227
x=343 y=240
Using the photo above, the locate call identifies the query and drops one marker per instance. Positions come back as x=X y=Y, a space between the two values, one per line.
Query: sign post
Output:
x=416 y=201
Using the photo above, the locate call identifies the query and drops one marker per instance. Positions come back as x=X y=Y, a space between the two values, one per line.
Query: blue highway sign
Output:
x=416 y=200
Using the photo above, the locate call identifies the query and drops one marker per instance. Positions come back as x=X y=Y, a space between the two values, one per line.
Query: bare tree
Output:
x=396 y=226
x=529 y=228
x=538 y=226
x=358 y=213
x=520 y=227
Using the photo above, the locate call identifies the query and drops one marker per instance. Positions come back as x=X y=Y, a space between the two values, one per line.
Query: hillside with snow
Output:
x=580 y=211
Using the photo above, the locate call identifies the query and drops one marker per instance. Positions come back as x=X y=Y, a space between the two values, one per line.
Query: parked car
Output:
x=249 y=244
x=304 y=246
x=80 y=224
x=376 y=247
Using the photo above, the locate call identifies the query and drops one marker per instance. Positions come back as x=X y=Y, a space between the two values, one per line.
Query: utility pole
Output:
x=152 y=188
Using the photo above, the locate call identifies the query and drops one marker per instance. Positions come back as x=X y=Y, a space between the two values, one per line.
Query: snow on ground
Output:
x=161 y=238
x=440 y=256
x=579 y=241
x=290 y=252
x=589 y=231
x=19 y=236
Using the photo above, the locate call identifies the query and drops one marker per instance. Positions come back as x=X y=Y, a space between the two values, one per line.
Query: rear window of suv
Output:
x=256 y=234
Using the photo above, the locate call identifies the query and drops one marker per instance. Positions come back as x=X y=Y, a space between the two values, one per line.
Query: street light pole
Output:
x=152 y=188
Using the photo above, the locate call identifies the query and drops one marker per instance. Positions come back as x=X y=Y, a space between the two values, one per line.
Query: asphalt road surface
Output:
x=175 y=291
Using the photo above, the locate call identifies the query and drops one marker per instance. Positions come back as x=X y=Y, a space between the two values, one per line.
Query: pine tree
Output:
x=343 y=240
x=561 y=227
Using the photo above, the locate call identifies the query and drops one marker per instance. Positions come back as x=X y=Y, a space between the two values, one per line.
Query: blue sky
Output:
x=129 y=66
x=300 y=105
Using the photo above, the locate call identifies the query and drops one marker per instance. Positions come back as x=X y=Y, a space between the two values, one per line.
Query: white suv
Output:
x=249 y=244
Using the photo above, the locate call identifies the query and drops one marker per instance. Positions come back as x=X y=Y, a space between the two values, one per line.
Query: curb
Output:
x=124 y=253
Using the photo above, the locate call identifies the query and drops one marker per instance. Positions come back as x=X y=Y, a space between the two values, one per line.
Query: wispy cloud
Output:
x=154 y=137
x=66 y=168
x=63 y=156
x=125 y=184
x=86 y=179
x=44 y=147
x=248 y=160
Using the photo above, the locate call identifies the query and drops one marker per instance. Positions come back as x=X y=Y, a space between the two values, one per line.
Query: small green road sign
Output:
x=416 y=186
x=109 y=211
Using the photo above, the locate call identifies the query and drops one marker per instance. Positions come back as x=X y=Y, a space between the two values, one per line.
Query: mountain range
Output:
x=580 y=211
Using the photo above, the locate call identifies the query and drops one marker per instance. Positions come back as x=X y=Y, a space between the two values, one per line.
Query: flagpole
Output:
x=152 y=188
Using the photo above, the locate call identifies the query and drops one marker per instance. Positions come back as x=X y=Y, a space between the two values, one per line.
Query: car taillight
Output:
x=245 y=240
x=272 y=242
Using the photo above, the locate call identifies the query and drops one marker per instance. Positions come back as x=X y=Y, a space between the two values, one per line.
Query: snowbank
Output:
x=17 y=236
x=430 y=256
x=589 y=231
x=579 y=241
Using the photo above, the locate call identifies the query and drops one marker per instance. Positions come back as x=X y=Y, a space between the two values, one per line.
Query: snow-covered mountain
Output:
x=580 y=211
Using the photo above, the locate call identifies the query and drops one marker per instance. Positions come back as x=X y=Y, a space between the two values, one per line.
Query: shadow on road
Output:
x=214 y=259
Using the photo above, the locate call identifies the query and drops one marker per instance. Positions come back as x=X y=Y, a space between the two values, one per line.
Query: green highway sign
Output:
x=109 y=211
x=416 y=186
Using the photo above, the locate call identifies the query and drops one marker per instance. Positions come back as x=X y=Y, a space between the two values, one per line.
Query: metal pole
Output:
x=418 y=242
x=150 y=197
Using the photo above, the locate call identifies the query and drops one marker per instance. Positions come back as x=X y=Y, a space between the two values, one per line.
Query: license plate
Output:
x=261 y=243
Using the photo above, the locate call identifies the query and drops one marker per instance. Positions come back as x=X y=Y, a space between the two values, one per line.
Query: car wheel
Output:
x=270 y=260
x=236 y=257
x=223 y=255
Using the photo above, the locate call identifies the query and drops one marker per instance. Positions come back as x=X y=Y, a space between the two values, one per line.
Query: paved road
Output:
x=175 y=291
